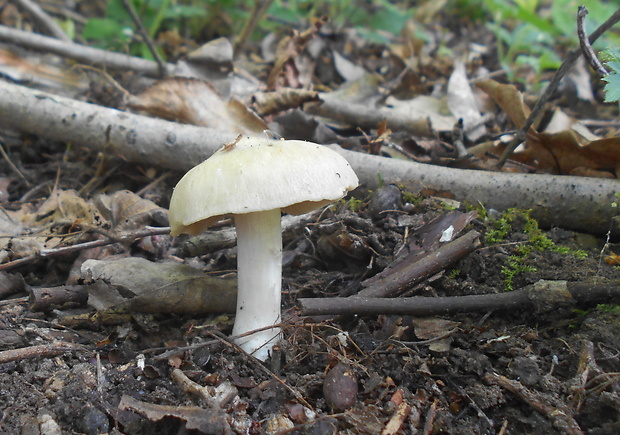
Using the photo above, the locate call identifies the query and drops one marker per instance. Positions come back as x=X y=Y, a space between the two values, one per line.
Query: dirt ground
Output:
x=539 y=368
x=496 y=371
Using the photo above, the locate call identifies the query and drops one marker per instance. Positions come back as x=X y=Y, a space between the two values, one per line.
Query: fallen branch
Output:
x=81 y=53
x=405 y=277
x=578 y=203
x=542 y=297
x=43 y=350
x=546 y=404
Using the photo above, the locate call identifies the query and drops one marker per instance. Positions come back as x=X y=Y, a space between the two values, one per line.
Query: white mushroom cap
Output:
x=257 y=174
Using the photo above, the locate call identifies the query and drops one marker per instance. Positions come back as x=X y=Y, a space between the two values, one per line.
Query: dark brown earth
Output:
x=66 y=369
x=489 y=372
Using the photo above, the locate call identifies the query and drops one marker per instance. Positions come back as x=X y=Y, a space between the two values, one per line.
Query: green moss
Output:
x=355 y=204
x=454 y=273
x=535 y=241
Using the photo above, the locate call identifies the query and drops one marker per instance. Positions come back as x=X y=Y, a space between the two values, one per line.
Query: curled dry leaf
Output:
x=127 y=211
x=267 y=103
x=288 y=48
x=194 y=101
x=564 y=152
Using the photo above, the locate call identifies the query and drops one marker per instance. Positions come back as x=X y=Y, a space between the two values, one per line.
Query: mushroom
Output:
x=254 y=180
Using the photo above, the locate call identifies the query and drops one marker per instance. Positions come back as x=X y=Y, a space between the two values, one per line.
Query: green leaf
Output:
x=102 y=29
x=186 y=11
x=612 y=88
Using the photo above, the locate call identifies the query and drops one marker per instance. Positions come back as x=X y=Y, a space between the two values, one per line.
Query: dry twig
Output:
x=542 y=297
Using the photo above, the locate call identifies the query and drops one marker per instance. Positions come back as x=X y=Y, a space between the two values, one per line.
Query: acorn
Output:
x=340 y=387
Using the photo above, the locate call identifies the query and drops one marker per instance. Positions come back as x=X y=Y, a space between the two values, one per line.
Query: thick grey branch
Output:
x=81 y=53
x=578 y=203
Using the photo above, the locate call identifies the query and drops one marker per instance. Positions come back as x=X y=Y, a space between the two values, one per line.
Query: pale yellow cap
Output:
x=257 y=174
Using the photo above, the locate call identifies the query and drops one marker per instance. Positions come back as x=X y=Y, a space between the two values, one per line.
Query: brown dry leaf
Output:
x=33 y=71
x=561 y=153
x=194 y=101
x=267 y=103
x=288 y=48
x=437 y=330
x=64 y=207
x=430 y=328
x=508 y=98
x=613 y=259
x=128 y=211
x=61 y=217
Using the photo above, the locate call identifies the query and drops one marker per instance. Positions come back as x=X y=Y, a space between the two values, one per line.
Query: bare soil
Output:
x=493 y=372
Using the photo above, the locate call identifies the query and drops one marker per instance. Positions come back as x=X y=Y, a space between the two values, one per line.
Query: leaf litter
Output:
x=139 y=354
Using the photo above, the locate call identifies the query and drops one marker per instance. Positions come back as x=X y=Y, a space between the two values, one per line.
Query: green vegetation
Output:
x=535 y=241
x=376 y=22
x=116 y=29
x=611 y=57
x=528 y=32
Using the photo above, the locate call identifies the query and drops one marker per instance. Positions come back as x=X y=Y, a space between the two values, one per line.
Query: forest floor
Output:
x=542 y=367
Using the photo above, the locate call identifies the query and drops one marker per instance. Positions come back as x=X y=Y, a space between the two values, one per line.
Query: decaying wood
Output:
x=436 y=261
x=578 y=203
x=46 y=298
x=44 y=350
x=554 y=410
x=542 y=297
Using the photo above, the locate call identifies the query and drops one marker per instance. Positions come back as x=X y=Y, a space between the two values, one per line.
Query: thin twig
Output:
x=258 y=10
x=584 y=43
x=148 y=231
x=559 y=414
x=81 y=53
x=13 y=167
x=42 y=18
x=43 y=350
x=147 y=39
x=568 y=62
x=226 y=341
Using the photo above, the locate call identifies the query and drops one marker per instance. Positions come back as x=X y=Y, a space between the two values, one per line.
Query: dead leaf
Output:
x=347 y=69
x=288 y=48
x=138 y=285
x=561 y=153
x=194 y=101
x=508 y=98
x=422 y=107
x=32 y=70
x=127 y=211
x=462 y=103
x=437 y=330
x=212 y=62
x=267 y=103
x=64 y=207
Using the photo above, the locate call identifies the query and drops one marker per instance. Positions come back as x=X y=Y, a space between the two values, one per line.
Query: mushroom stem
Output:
x=259 y=270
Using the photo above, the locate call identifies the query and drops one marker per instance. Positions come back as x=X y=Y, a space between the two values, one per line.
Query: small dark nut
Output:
x=340 y=387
